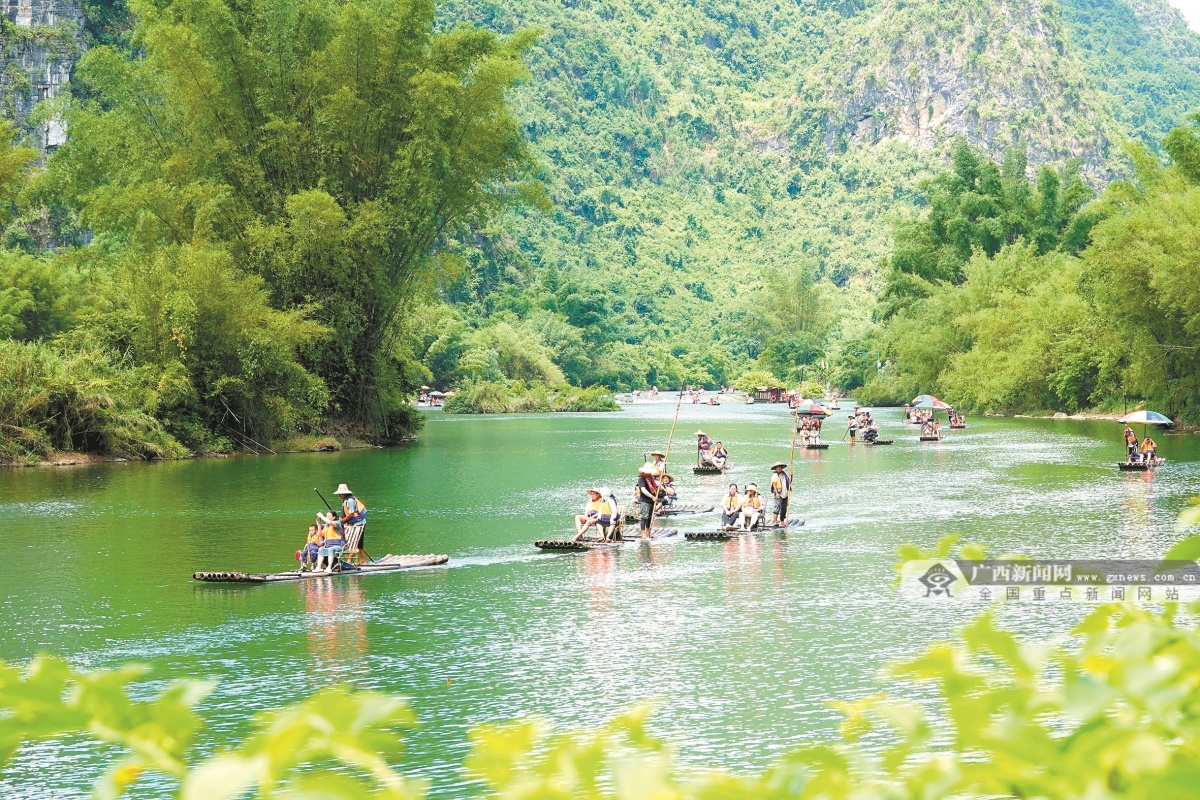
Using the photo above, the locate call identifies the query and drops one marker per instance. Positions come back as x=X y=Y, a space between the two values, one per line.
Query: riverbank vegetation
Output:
x=1012 y=296
x=248 y=206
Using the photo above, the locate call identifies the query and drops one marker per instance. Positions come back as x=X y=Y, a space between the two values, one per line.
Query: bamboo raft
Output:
x=1140 y=466
x=931 y=438
x=725 y=534
x=881 y=441
x=816 y=447
x=710 y=469
x=958 y=427
x=389 y=563
x=566 y=545
x=677 y=510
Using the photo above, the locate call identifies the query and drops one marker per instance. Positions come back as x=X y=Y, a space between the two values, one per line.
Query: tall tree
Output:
x=326 y=147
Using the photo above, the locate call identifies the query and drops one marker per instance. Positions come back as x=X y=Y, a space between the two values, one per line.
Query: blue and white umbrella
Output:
x=1146 y=418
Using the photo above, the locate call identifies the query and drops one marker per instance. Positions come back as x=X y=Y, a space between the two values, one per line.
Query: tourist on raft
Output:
x=731 y=507
x=354 y=512
x=781 y=490
x=751 y=508
x=659 y=460
x=719 y=456
x=1149 y=450
x=332 y=542
x=871 y=433
x=647 y=496
x=312 y=545
x=599 y=513
x=666 y=493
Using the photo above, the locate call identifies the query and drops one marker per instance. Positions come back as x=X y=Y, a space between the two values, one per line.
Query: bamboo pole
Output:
x=791 y=471
x=666 y=458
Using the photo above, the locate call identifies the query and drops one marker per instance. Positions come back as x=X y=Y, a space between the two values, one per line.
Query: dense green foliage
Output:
x=1057 y=306
x=693 y=150
x=267 y=186
x=275 y=219
x=490 y=397
x=1143 y=56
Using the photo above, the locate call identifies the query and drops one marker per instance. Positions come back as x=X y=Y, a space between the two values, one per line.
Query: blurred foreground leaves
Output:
x=1114 y=712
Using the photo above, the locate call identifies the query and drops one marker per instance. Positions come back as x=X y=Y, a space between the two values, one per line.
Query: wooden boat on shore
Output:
x=724 y=534
x=1140 y=466
x=388 y=563
x=565 y=545
x=677 y=510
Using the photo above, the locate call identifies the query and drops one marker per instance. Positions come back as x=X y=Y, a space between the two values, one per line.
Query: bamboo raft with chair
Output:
x=724 y=534
x=566 y=545
x=1140 y=466
x=389 y=563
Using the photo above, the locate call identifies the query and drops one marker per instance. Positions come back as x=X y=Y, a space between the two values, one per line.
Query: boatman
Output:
x=1131 y=443
x=781 y=490
x=853 y=426
x=703 y=449
x=354 y=512
x=598 y=513
x=647 y=496
x=659 y=460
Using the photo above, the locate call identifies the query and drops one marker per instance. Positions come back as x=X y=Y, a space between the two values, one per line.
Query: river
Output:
x=743 y=644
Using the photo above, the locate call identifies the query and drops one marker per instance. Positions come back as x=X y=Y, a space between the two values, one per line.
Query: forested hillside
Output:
x=698 y=154
x=272 y=221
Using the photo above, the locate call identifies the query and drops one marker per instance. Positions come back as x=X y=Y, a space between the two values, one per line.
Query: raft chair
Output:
x=352 y=549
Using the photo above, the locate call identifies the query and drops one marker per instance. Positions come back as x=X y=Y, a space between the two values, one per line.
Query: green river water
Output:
x=743 y=644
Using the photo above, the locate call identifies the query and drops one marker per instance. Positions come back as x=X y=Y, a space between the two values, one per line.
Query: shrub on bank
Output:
x=73 y=401
x=494 y=397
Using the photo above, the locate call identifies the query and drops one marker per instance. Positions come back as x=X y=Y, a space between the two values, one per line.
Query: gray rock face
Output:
x=997 y=74
x=42 y=40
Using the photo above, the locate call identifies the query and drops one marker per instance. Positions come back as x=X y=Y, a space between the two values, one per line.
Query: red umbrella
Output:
x=810 y=408
x=928 y=402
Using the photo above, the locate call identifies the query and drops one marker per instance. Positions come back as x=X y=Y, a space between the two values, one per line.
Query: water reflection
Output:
x=336 y=629
x=1138 y=501
x=600 y=576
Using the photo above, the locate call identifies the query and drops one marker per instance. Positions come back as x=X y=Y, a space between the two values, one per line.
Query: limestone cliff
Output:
x=994 y=72
x=40 y=41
